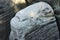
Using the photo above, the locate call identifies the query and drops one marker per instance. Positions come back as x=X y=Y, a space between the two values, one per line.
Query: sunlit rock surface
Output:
x=36 y=22
x=18 y=4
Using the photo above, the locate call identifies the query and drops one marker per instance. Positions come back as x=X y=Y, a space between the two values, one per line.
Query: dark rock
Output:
x=57 y=15
x=6 y=13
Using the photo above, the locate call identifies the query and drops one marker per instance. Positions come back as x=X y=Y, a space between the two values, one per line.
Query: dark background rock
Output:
x=6 y=13
x=53 y=3
x=57 y=15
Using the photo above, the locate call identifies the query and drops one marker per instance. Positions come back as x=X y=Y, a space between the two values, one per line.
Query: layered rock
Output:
x=6 y=13
x=36 y=22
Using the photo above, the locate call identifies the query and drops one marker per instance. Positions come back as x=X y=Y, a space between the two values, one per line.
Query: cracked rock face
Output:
x=25 y=23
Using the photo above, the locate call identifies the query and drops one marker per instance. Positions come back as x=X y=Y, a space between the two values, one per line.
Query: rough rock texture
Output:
x=36 y=22
x=6 y=14
x=56 y=6
x=54 y=3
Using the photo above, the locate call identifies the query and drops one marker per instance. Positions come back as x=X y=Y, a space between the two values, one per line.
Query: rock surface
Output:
x=36 y=22
x=57 y=15
x=6 y=14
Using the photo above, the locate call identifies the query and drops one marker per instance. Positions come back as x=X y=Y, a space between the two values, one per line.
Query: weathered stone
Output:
x=36 y=22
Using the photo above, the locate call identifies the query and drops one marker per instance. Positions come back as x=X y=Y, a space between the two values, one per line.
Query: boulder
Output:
x=35 y=22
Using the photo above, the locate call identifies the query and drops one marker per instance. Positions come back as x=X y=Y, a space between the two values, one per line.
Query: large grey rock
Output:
x=36 y=22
